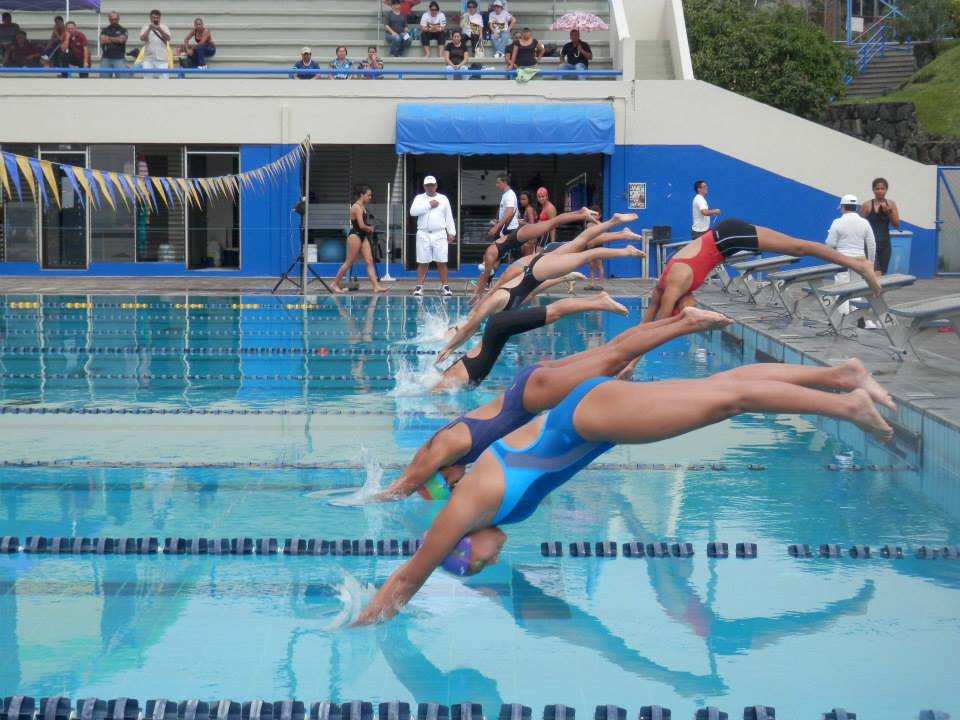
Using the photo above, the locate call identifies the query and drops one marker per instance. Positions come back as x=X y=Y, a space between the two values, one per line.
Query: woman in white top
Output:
x=433 y=26
x=471 y=22
x=501 y=25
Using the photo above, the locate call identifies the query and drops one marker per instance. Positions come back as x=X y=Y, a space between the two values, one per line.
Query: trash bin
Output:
x=900 y=241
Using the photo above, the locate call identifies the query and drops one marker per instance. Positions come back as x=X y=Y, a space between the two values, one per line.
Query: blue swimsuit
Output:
x=556 y=455
x=512 y=415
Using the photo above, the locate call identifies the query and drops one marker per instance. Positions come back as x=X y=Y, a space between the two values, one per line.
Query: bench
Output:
x=747 y=269
x=921 y=317
x=832 y=297
x=781 y=281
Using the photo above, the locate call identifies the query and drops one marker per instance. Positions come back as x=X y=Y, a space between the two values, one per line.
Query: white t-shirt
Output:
x=156 y=49
x=851 y=235
x=438 y=19
x=701 y=222
x=472 y=23
x=433 y=219
x=509 y=200
x=499 y=22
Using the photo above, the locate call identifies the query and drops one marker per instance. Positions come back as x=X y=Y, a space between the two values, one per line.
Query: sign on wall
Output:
x=637 y=196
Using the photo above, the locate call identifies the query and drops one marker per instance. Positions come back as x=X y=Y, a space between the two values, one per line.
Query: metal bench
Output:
x=833 y=296
x=747 y=269
x=921 y=317
x=780 y=282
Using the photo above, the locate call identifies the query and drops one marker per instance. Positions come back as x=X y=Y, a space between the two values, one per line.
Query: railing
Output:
x=870 y=43
x=322 y=72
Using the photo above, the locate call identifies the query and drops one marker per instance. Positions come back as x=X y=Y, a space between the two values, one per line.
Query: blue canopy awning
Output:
x=50 y=5
x=469 y=129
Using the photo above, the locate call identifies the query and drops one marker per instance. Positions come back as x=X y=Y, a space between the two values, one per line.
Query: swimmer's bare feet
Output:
x=705 y=320
x=336 y=289
x=856 y=376
x=589 y=215
x=571 y=279
x=864 y=415
x=628 y=234
x=631 y=251
x=623 y=218
x=379 y=289
x=608 y=304
x=627 y=372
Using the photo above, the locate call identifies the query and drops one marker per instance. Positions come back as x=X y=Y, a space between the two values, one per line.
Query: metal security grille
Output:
x=948 y=220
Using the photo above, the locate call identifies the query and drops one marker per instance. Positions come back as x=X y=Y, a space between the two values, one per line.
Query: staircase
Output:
x=883 y=74
x=270 y=33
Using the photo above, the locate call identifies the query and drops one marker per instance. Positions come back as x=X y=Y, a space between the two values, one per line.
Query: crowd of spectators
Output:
x=475 y=35
x=68 y=46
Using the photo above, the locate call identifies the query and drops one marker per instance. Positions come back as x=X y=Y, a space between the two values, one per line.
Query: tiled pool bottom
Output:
x=801 y=635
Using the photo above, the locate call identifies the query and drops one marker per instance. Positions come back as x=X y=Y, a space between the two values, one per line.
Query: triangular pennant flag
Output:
x=89 y=184
x=119 y=186
x=105 y=189
x=146 y=190
x=10 y=162
x=188 y=192
x=70 y=174
x=155 y=181
x=38 y=177
x=197 y=191
x=205 y=186
x=130 y=188
x=24 y=165
x=171 y=190
x=48 y=173
x=4 y=183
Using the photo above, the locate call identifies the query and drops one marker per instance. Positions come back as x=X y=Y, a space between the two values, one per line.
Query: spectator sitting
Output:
x=472 y=24
x=501 y=25
x=456 y=53
x=576 y=54
x=8 y=31
x=51 y=53
x=527 y=51
x=113 y=46
x=306 y=62
x=433 y=26
x=372 y=62
x=340 y=62
x=508 y=50
x=21 y=53
x=486 y=15
x=396 y=30
x=75 y=48
x=195 y=56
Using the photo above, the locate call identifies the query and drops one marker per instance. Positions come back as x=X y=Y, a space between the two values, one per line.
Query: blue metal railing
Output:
x=322 y=72
x=870 y=43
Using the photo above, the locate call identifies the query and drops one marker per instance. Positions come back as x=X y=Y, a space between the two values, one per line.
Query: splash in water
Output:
x=415 y=375
x=432 y=328
x=349 y=497
x=354 y=597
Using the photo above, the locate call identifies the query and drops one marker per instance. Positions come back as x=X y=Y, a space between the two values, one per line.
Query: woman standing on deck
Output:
x=881 y=213
x=358 y=241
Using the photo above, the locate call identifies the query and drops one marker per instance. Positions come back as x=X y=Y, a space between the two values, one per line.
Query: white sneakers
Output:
x=444 y=290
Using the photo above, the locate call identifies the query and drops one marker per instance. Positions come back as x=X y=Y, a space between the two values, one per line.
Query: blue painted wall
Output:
x=739 y=189
x=269 y=233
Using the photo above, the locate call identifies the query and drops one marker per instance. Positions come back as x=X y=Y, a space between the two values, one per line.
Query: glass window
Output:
x=18 y=218
x=213 y=231
x=112 y=232
x=64 y=228
x=161 y=235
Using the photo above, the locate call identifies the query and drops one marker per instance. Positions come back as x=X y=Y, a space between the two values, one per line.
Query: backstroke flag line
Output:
x=93 y=187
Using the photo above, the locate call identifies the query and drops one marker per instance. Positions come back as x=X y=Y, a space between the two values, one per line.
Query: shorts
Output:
x=432 y=246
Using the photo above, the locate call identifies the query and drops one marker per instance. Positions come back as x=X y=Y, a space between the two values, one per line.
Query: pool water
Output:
x=222 y=421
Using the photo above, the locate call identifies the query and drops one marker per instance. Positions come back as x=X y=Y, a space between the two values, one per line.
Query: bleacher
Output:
x=270 y=33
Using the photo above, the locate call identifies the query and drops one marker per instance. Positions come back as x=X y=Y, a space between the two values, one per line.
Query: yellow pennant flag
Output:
x=234 y=185
x=148 y=199
x=4 y=180
x=51 y=179
x=120 y=188
x=82 y=179
x=98 y=176
x=158 y=186
x=188 y=192
x=27 y=173
x=205 y=184
x=221 y=187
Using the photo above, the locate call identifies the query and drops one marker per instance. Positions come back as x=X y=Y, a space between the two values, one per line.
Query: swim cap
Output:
x=458 y=561
x=435 y=488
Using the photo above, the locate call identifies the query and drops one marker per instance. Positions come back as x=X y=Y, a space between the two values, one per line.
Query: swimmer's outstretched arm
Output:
x=488 y=306
x=456 y=520
x=428 y=459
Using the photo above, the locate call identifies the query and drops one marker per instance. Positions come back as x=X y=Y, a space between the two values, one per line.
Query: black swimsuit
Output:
x=880 y=222
x=521 y=291
x=355 y=229
x=508 y=243
x=501 y=327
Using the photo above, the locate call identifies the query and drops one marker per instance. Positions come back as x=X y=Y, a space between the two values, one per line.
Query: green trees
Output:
x=930 y=20
x=774 y=55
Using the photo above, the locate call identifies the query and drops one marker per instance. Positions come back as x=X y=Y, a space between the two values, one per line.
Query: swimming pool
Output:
x=133 y=417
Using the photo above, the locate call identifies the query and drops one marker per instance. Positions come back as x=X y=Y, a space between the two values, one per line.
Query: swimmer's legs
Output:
x=568 y=306
x=548 y=385
x=643 y=413
x=773 y=241
x=553 y=265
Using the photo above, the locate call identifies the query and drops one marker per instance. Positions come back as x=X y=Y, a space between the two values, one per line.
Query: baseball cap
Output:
x=305 y=51
x=429 y=180
x=847 y=200
x=496 y=3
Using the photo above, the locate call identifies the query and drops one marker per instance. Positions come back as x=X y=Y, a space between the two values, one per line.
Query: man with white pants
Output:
x=436 y=230
x=851 y=235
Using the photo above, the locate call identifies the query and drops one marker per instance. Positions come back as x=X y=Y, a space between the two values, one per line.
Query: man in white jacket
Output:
x=436 y=230
x=851 y=235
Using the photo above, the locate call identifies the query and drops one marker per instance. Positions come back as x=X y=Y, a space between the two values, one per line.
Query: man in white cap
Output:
x=306 y=62
x=851 y=235
x=436 y=230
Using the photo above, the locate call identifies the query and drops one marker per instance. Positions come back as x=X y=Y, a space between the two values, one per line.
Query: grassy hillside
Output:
x=935 y=91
